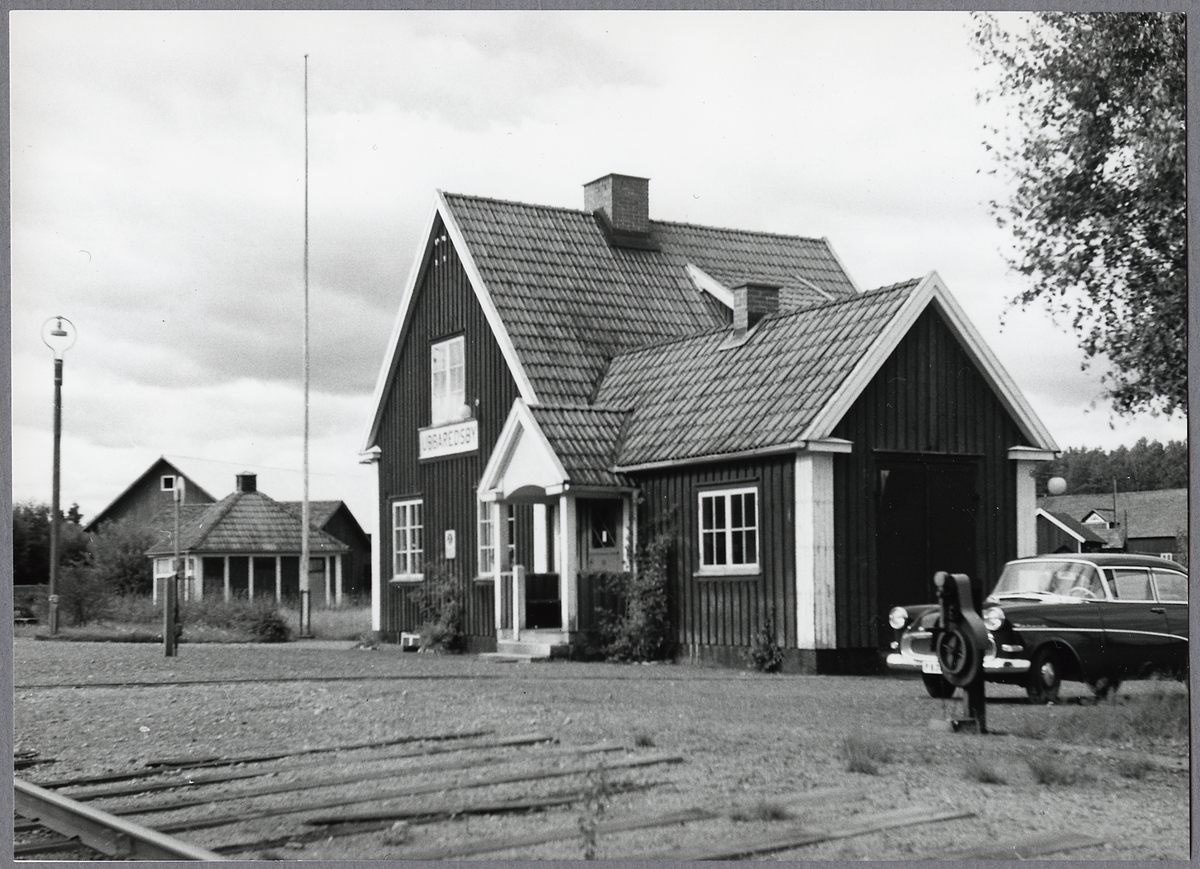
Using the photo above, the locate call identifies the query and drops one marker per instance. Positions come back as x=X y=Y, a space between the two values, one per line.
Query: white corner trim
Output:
x=520 y=422
x=441 y=208
x=932 y=290
x=830 y=445
x=1049 y=517
x=706 y=283
x=870 y=362
x=833 y=253
x=814 y=287
x=1005 y=387
x=389 y=356
x=1031 y=454
x=485 y=301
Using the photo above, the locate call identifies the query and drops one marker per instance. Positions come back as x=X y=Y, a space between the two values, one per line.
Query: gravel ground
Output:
x=748 y=740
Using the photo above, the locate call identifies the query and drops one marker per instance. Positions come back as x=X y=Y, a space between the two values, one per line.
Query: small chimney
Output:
x=622 y=202
x=247 y=482
x=751 y=302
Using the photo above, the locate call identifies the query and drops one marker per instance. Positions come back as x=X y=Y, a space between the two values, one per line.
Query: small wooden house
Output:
x=1152 y=522
x=560 y=381
x=154 y=490
x=247 y=545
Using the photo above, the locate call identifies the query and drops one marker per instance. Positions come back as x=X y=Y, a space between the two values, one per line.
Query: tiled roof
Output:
x=570 y=302
x=586 y=440
x=1158 y=513
x=242 y=523
x=693 y=398
x=319 y=512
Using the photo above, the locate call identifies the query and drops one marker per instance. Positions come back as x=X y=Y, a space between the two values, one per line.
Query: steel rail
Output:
x=107 y=833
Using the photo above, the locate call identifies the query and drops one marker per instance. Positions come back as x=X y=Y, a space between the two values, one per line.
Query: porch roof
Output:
x=586 y=441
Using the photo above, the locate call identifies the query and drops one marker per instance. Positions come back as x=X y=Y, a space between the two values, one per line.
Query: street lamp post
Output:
x=59 y=334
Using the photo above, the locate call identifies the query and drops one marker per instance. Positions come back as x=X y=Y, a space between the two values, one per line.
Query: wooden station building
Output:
x=559 y=381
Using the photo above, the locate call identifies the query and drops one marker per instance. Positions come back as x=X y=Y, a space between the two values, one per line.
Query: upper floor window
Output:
x=729 y=531
x=168 y=483
x=448 y=381
x=407 y=539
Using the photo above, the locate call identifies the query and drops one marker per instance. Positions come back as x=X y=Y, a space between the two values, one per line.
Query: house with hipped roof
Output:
x=562 y=385
x=248 y=545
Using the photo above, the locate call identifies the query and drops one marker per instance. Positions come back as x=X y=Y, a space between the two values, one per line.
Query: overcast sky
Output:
x=158 y=184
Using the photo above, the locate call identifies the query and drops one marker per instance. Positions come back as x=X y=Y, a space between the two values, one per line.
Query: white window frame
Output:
x=408 y=558
x=487 y=540
x=728 y=532
x=447 y=380
x=163 y=483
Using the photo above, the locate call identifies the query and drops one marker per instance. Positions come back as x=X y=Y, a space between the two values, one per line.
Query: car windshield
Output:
x=1059 y=578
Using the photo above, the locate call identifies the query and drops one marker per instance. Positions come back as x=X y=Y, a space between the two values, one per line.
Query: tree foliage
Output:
x=31 y=542
x=1145 y=466
x=1098 y=212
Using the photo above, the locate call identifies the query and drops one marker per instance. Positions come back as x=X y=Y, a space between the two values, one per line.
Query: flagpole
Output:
x=305 y=591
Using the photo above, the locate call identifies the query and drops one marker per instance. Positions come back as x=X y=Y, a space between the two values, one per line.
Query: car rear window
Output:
x=1171 y=586
x=1131 y=583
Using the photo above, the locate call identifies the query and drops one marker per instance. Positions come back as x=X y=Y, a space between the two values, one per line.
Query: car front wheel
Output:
x=1045 y=677
x=937 y=685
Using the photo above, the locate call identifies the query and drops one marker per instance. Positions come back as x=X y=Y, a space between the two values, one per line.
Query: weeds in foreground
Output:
x=1050 y=770
x=984 y=772
x=1136 y=768
x=763 y=810
x=1159 y=715
x=766 y=655
x=598 y=791
x=865 y=753
x=642 y=739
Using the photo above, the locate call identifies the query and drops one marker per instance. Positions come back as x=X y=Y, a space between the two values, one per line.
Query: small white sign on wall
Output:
x=451 y=544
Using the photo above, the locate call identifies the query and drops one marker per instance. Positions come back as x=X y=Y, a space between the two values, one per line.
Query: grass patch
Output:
x=984 y=772
x=136 y=618
x=1160 y=715
x=1050 y=770
x=1136 y=768
x=641 y=739
x=865 y=753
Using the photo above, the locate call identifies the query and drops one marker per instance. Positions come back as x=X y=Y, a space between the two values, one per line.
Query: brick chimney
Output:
x=751 y=302
x=247 y=482
x=622 y=203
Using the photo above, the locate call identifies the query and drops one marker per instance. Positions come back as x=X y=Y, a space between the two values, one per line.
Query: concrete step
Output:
x=533 y=647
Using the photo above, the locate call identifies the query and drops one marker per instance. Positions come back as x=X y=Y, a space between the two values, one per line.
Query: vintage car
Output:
x=1098 y=618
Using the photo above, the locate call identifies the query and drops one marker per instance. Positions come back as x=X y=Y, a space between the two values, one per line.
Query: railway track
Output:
x=451 y=796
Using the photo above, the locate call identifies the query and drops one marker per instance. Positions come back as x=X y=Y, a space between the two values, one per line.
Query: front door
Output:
x=925 y=522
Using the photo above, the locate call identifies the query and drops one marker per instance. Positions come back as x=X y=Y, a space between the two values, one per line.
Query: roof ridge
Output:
x=760 y=232
x=867 y=295
x=682 y=223
x=220 y=511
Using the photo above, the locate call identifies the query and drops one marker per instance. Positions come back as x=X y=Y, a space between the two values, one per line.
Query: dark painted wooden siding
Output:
x=928 y=398
x=728 y=612
x=444 y=306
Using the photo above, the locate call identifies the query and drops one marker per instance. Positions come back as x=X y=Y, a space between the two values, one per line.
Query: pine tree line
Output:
x=1146 y=466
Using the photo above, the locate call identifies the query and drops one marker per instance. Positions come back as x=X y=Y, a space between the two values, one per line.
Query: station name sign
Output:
x=446 y=440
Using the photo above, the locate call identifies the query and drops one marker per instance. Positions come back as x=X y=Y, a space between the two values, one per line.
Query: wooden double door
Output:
x=926 y=519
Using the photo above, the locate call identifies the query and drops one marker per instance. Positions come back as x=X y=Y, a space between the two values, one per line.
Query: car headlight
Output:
x=993 y=618
x=898 y=617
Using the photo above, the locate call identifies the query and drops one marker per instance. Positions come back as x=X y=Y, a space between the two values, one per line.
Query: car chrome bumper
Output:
x=928 y=664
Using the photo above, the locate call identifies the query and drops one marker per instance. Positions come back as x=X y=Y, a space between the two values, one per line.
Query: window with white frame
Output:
x=487 y=540
x=168 y=483
x=487 y=537
x=407 y=539
x=729 y=530
x=448 y=381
